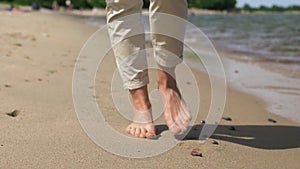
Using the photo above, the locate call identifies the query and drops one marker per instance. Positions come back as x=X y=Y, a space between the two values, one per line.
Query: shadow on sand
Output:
x=257 y=136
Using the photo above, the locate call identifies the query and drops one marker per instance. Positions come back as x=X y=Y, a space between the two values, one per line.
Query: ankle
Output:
x=141 y=106
x=140 y=99
x=165 y=80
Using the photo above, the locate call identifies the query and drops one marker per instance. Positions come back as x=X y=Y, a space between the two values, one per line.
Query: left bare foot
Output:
x=177 y=115
x=142 y=125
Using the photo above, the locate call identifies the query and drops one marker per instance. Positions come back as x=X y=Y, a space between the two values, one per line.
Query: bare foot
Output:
x=142 y=125
x=177 y=115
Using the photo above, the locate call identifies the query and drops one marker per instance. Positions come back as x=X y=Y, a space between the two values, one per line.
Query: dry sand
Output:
x=38 y=52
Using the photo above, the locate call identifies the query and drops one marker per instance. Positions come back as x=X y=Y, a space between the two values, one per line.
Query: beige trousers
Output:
x=126 y=31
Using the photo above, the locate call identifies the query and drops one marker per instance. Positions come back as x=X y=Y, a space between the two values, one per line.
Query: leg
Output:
x=128 y=41
x=167 y=41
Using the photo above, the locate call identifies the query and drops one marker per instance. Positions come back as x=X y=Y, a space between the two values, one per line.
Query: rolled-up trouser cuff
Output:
x=139 y=81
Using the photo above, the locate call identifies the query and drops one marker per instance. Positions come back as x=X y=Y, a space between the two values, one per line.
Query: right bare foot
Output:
x=142 y=125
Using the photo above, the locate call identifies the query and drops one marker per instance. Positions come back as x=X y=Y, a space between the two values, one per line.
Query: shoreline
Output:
x=276 y=84
x=36 y=69
x=277 y=89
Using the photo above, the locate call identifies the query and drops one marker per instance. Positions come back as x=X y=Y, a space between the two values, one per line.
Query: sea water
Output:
x=266 y=52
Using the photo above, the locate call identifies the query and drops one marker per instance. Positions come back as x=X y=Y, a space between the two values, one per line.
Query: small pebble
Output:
x=40 y=79
x=1 y=145
x=202 y=122
x=227 y=118
x=14 y=113
x=232 y=128
x=271 y=120
x=236 y=71
x=188 y=83
x=196 y=153
x=215 y=142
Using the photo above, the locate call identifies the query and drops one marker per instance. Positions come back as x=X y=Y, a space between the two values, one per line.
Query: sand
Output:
x=38 y=51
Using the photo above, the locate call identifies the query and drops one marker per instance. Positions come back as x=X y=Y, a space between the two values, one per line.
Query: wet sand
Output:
x=38 y=51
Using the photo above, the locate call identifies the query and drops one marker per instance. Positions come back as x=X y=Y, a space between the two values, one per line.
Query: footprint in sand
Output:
x=215 y=142
x=14 y=113
x=227 y=118
x=28 y=58
x=272 y=120
x=52 y=71
x=20 y=35
x=7 y=85
x=18 y=44
x=46 y=35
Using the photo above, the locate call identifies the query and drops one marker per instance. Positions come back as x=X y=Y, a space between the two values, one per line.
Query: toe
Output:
x=150 y=131
x=185 y=112
x=150 y=134
x=183 y=115
x=174 y=128
x=168 y=119
x=137 y=132
x=132 y=131
x=180 y=124
x=185 y=121
x=128 y=129
x=143 y=133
